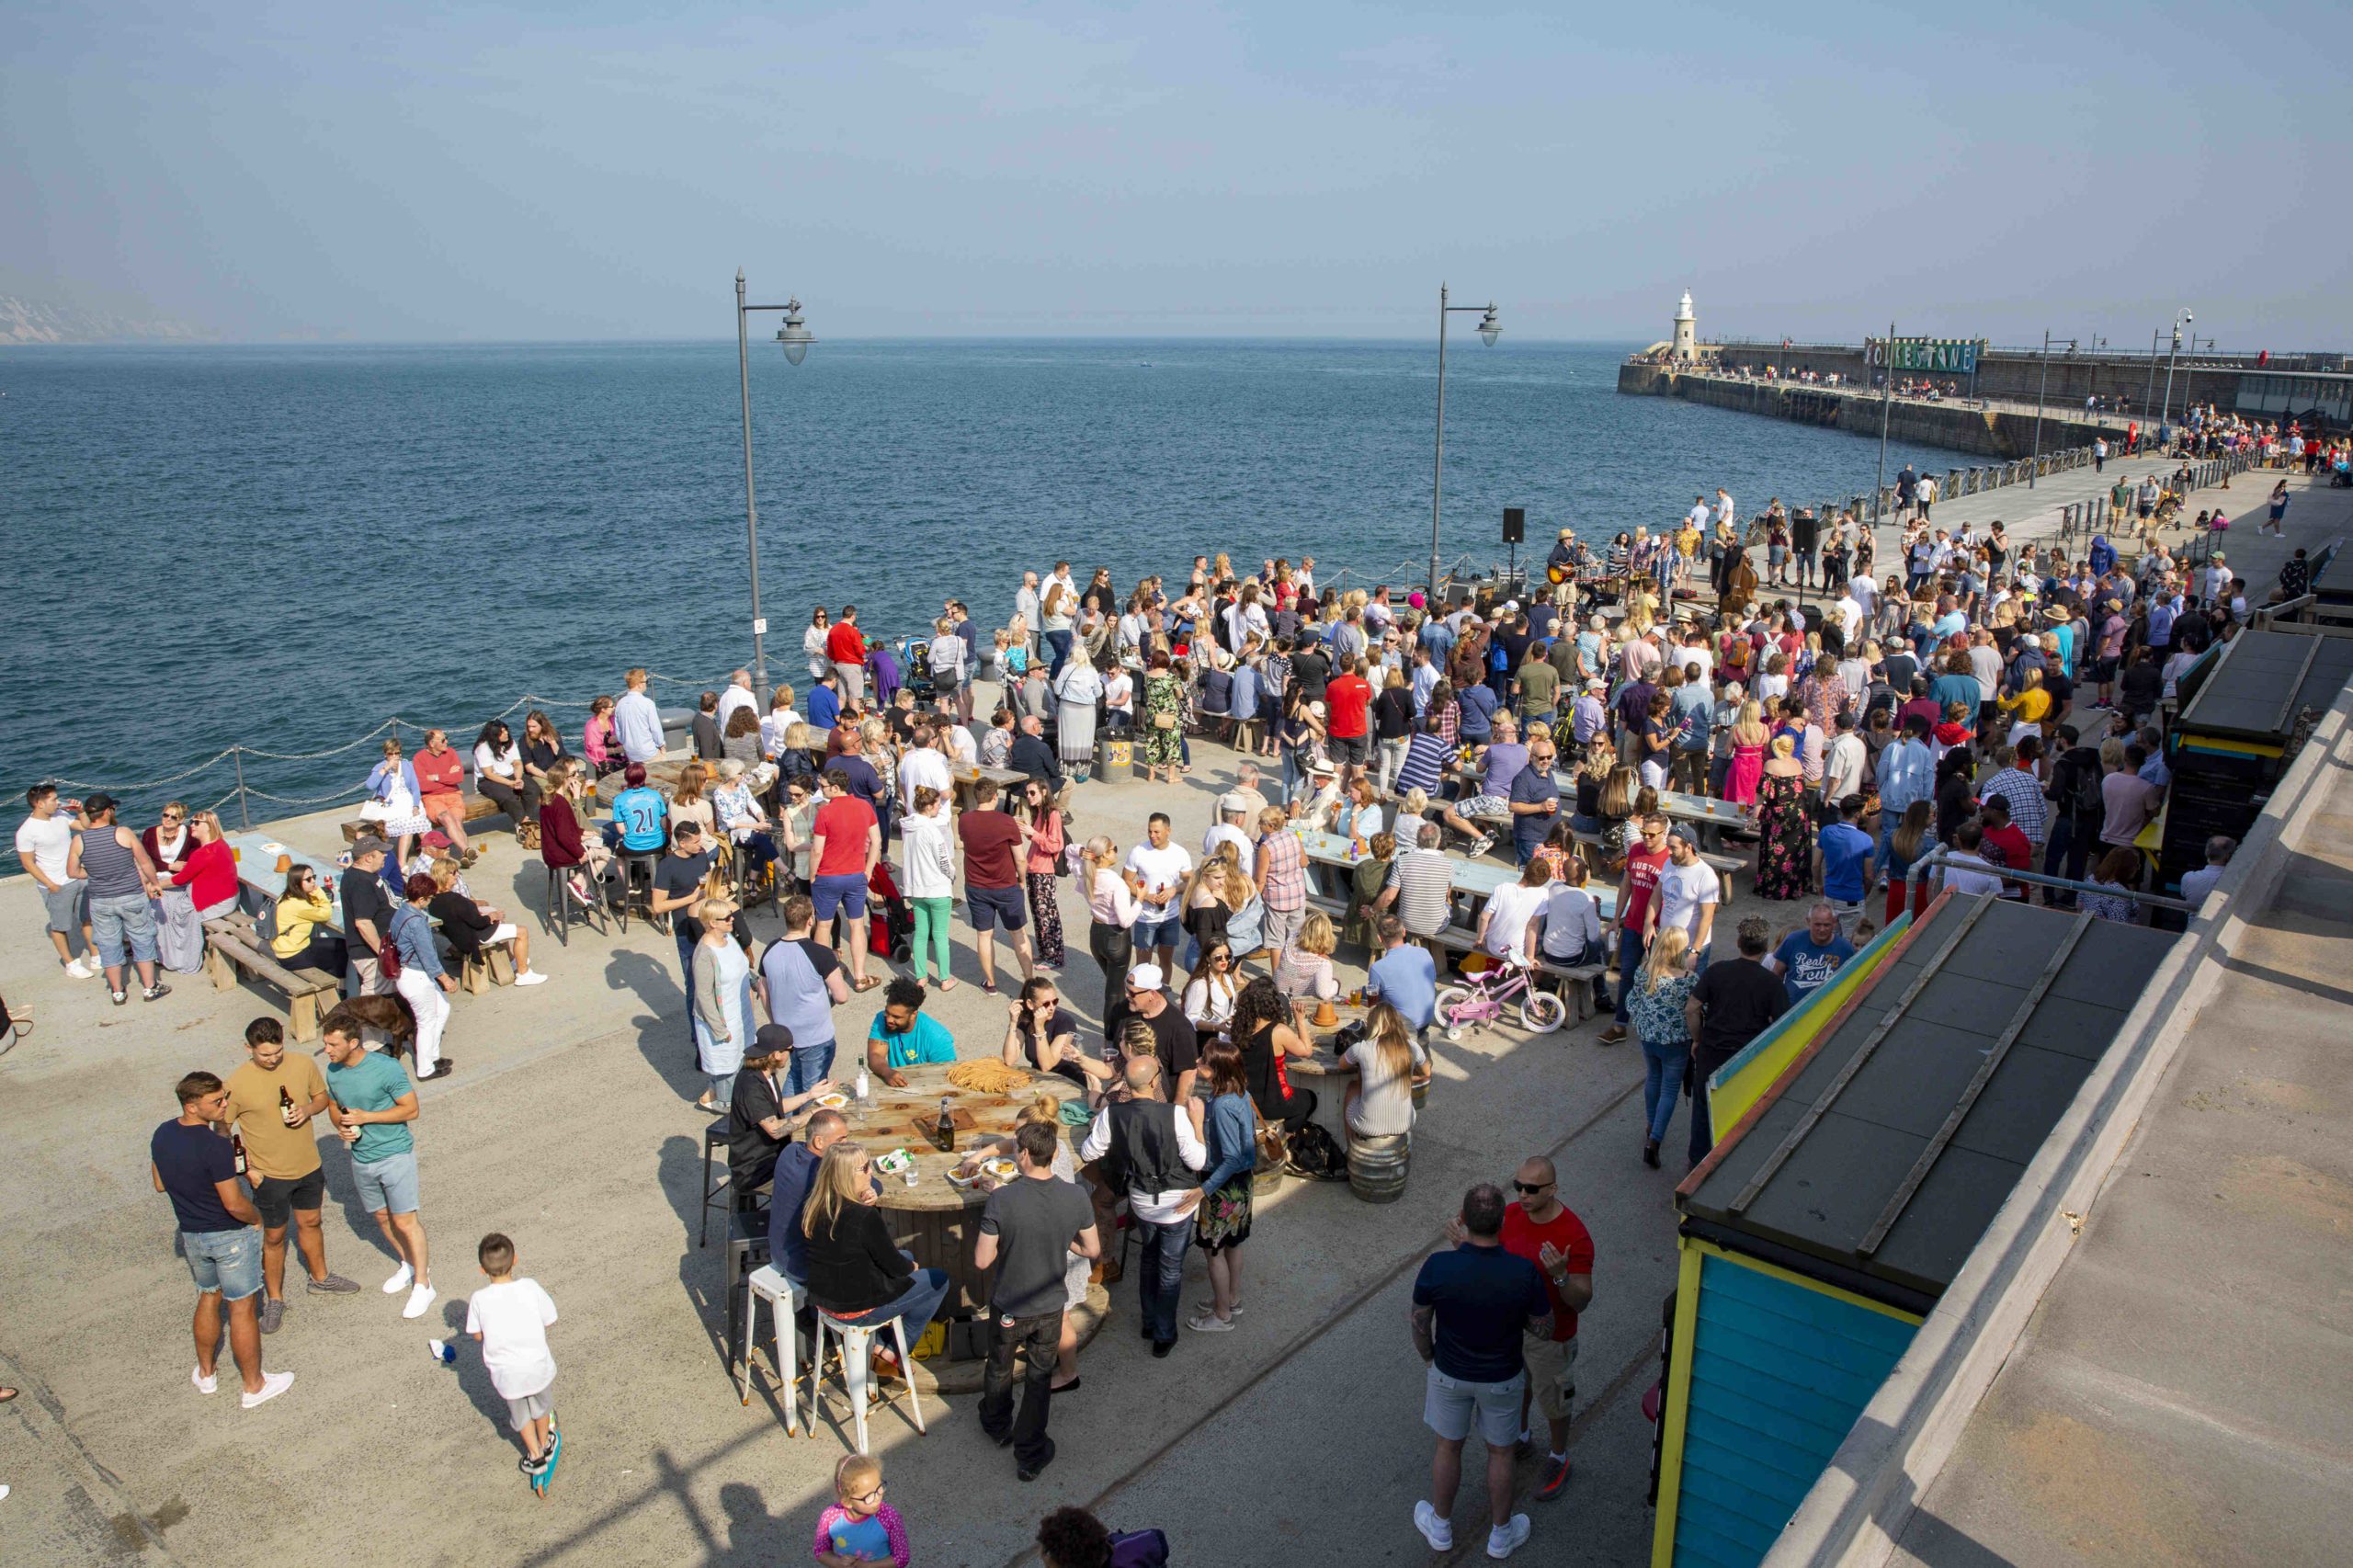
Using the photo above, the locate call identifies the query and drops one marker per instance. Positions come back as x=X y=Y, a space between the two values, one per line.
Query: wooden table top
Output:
x=901 y=1119
x=662 y=776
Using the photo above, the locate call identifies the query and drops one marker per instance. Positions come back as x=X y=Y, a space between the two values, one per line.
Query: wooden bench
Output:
x=233 y=946
x=477 y=807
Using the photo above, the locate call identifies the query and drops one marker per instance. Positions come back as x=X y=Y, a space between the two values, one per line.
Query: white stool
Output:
x=857 y=1345
x=767 y=1284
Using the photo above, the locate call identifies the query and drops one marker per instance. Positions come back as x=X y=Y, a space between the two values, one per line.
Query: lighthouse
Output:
x=1686 y=347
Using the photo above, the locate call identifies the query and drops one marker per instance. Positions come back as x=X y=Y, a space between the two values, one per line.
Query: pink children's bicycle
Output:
x=1480 y=1002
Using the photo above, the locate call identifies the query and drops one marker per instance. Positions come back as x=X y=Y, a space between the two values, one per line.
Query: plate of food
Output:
x=1001 y=1168
x=833 y=1101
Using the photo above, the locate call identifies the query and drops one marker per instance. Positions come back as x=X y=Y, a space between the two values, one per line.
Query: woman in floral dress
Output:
x=1785 y=850
x=1164 y=721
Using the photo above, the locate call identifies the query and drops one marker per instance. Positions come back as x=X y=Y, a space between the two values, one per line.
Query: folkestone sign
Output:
x=1936 y=355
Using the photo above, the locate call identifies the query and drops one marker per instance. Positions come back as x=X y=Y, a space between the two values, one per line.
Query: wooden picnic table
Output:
x=965 y=780
x=662 y=776
x=257 y=856
x=934 y=1218
x=1330 y=868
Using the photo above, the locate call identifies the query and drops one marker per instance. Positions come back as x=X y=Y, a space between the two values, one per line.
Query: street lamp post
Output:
x=1490 y=329
x=794 y=338
x=2035 y=463
x=2166 y=410
x=1886 y=407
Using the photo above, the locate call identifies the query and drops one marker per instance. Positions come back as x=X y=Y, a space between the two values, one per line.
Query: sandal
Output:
x=869 y=983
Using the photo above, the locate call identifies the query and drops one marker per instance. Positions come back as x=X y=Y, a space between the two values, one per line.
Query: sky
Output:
x=581 y=171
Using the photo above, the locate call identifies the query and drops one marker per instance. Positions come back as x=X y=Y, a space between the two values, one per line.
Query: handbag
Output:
x=1164 y=721
x=388 y=955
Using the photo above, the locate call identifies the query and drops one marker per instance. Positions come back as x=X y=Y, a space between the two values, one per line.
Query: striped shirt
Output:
x=1422 y=877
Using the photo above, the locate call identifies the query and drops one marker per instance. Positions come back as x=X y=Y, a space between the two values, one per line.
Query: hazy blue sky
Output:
x=587 y=170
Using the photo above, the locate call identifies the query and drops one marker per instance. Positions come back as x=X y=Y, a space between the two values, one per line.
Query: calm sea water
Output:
x=284 y=547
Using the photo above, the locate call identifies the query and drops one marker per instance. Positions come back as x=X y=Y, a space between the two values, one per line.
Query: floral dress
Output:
x=1784 y=852
x=1163 y=745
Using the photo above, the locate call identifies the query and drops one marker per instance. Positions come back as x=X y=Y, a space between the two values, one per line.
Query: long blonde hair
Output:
x=834 y=1186
x=1392 y=1040
x=1665 y=960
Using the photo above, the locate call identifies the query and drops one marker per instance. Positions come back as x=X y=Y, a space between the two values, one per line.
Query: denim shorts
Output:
x=845 y=893
x=227 y=1263
x=1450 y=1404
x=1158 y=933
x=124 y=918
x=387 y=1184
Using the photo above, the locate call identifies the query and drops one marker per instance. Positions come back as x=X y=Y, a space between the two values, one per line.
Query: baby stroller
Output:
x=892 y=927
x=915 y=652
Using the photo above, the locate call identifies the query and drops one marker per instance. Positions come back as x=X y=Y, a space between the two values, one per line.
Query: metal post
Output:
x=1886 y=405
x=751 y=508
x=2151 y=390
x=2167 y=409
x=245 y=817
x=1438 y=462
x=2040 y=388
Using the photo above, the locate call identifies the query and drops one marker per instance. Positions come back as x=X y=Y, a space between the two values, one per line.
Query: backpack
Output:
x=1139 y=1548
x=1315 y=1155
x=2085 y=801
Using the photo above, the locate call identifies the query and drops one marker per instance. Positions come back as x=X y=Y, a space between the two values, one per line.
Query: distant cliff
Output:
x=36 y=320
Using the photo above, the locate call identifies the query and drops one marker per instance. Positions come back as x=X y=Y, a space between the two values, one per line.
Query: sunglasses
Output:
x=1530 y=1189
x=173 y=817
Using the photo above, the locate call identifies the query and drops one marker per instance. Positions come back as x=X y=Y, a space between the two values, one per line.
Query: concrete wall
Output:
x=2015 y=375
x=1979 y=432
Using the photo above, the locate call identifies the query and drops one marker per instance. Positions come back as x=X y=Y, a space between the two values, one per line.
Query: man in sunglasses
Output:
x=1636 y=887
x=1541 y=1228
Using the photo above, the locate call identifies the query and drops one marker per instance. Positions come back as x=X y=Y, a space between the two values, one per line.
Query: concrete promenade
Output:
x=568 y=1125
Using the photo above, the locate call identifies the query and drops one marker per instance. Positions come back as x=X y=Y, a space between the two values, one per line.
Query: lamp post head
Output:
x=1490 y=329
x=793 y=336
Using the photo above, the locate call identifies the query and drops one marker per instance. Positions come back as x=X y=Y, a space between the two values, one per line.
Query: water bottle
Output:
x=863 y=1094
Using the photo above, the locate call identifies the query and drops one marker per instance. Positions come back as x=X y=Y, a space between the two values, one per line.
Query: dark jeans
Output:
x=915 y=1305
x=1059 y=641
x=1113 y=946
x=1631 y=948
x=1703 y=1133
x=506 y=800
x=2070 y=843
x=1042 y=1338
x=686 y=968
x=1160 y=1276
x=327 y=952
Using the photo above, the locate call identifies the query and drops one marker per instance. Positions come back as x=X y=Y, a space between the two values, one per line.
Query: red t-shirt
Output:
x=1347 y=699
x=844 y=821
x=1643 y=867
x=1522 y=1238
x=845 y=644
x=2010 y=848
x=444 y=774
x=991 y=838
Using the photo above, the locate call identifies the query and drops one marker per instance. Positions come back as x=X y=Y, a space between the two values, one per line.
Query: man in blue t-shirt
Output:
x=824 y=704
x=373 y=1103
x=641 y=813
x=1810 y=956
x=1404 y=975
x=194 y=1164
x=1535 y=801
x=904 y=1035
x=1471 y=1306
x=1843 y=861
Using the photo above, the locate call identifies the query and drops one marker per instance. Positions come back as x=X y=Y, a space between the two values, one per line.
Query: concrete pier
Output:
x=2002 y=429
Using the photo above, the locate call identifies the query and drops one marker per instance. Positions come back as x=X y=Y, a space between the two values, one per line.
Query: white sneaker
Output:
x=1438 y=1532
x=530 y=977
x=399 y=1281
x=1505 y=1539
x=418 y=1300
x=272 y=1385
x=82 y=969
x=204 y=1384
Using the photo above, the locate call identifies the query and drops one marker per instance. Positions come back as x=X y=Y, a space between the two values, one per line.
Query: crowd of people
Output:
x=1986 y=706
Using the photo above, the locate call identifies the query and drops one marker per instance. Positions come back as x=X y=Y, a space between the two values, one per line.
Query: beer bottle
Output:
x=285 y=1106
x=943 y=1132
x=237 y=1149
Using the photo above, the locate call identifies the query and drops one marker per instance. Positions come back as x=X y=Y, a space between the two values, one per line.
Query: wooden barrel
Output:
x=1377 y=1167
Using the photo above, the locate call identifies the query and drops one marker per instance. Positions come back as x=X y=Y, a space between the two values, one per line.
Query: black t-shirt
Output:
x=1515 y=647
x=1483 y=1300
x=1392 y=713
x=1034 y=1222
x=1901 y=668
x=364 y=899
x=1060 y=1024
x=462 y=921
x=1174 y=1044
x=674 y=875
x=1310 y=672
x=190 y=1160
x=1738 y=999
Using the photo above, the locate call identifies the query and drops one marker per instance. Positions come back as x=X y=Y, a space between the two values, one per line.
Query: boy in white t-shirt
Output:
x=510 y=1317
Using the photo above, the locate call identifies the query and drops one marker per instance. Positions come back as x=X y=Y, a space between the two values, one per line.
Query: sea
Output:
x=283 y=549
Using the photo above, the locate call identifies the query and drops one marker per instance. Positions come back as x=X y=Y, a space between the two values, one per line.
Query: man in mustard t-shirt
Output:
x=272 y=1101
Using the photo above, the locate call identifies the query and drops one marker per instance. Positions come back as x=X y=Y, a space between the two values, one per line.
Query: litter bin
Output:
x=1115 y=759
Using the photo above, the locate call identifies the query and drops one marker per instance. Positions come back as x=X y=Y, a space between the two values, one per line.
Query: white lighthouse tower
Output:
x=1685 y=349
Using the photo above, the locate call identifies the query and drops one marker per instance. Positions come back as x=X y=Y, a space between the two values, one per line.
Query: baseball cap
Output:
x=773 y=1036
x=96 y=801
x=1147 y=977
x=368 y=844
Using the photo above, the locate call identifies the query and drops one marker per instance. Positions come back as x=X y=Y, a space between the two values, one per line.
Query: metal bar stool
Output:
x=768 y=1283
x=857 y=1349
x=716 y=1179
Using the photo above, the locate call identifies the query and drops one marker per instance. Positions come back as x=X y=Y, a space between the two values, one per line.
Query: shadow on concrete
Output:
x=335 y=1165
x=1932 y=1540
x=473 y=1378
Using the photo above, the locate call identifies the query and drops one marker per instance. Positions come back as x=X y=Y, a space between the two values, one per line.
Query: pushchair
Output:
x=891 y=928
x=914 y=657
